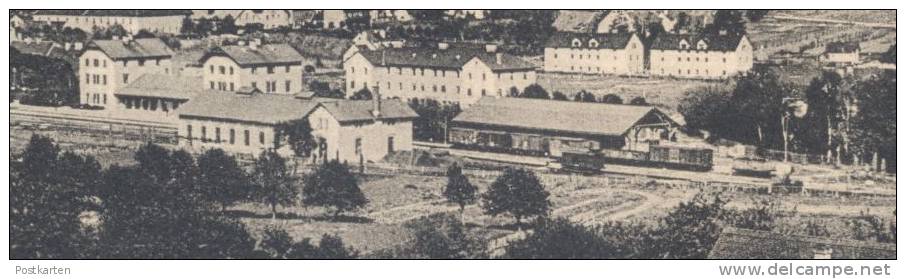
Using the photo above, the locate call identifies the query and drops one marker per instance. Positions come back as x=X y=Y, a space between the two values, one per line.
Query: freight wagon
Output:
x=659 y=156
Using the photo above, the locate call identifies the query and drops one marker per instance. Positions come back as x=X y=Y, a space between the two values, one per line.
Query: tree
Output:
x=362 y=94
x=756 y=15
x=276 y=243
x=514 y=92
x=729 y=21
x=331 y=185
x=274 y=183
x=203 y=27
x=612 y=99
x=585 y=96
x=39 y=159
x=228 y=25
x=690 y=230
x=332 y=247
x=682 y=22
x=875 y=126
x=638 y=101
x=890 y=56
x=560 y=239
x=187 y=27
x=517 y=192
x=830 y=98
x=441 y=236
x=298 y=135
x=557 y=95
x=221 y=179
x=534 y=91
x=459 y=190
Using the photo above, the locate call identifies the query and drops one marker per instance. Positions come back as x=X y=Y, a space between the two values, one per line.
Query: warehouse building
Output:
x=548 y=127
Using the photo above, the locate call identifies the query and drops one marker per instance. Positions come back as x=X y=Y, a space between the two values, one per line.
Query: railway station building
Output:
x=549 y=127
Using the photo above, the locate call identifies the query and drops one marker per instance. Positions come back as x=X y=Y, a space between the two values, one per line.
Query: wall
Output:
x=237 y=147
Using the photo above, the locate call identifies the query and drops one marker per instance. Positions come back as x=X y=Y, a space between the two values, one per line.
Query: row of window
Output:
x=231 y=139
x=597 y=57
x=97 y=99
x=697 y=59
x=223 y=70
x=95 y=79
x=689 y=72
x=97 y=63
x=423 y=88
x=442 y=73
x=270 y=86
x=147 y=104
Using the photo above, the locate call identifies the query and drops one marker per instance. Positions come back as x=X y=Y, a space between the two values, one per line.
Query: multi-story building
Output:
x=618 y=54
x=700 y=56
x=460 y=73
x=268 y=19
x=246 y=122
x=163 y=21
x=272 y=68
x=108 y=65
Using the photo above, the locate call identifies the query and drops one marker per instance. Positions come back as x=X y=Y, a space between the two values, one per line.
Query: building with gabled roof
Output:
x=589 y=53
x=245 y=122
x=700 y=56
x=739 y=244
x=163 y=21
x=546 y=127
x=456 y=73
x=841 y=53
x=272 y=68
x=156 y=96
x=108 y=65
x=268 y=19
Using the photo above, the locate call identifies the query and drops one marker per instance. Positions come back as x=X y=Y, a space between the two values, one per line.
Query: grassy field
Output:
x=664 y=93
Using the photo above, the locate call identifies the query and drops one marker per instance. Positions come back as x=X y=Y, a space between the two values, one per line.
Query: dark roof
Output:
x=668 y=41
x=736 y=243
x=270 y=109
x=551 y=115
x=261 y=55
x=118 y=13
x=842 y=47
x=605 y=40
x=454 y=57
x=163 y=86
x=132 y=49
x=33 y=48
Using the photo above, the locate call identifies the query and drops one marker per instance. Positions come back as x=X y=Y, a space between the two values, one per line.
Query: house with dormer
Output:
x=700 y=56
x=585 y=53
x=271 y=68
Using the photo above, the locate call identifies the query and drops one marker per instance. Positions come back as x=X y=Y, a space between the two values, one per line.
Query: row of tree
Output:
x=168 y=205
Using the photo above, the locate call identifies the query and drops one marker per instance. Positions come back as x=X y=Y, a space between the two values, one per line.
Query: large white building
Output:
x=272 y=68
x=455 y=73
x=163 y=21
x=108 y=65
x=245 y=122
x=841 y=53
x=618 y=54
x=700 y=56
x=268 y=19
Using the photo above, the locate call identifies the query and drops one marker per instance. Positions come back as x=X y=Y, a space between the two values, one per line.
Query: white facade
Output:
x=162 y=24
x=696 y=60
x=224 y=74
x=583 y=56
x=101 y=76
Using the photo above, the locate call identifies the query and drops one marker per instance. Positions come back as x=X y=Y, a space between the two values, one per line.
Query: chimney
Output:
x=490 y=48
x=443 y=46
x=376 y=99
x=499 y=57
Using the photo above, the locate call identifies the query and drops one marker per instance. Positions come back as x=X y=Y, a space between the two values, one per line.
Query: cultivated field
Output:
x=664 y=93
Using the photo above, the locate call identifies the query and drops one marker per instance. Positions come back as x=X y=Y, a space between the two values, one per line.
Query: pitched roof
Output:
x=137 y=48
x=551 y=115
x=163 y=86
x=33 y=48
x=261 y=55
x=842 y=47
x=604 y=40
x=361 y=110
x=117 y=13
x=669 y=41
x=271 y=109
x=454 y=57
x=736 y=243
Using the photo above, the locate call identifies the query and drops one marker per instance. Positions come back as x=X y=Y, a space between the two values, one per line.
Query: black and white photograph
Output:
x=424 y=134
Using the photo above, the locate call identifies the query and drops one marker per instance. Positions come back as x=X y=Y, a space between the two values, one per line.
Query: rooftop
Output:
x=163 y=86
x=551 y=115
x=132 y=49
x=117 y=13
x=585 y=40
x=266 y=54
x=271 y=109
x=842 y=47
x=454 y=57
x=736 y=243
x=669 y=41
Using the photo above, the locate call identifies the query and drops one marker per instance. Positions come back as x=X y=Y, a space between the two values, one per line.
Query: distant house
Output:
x=272 y=68
x=456 y=73
x=334 y=19
x=700 y=56
x=548 y=127
x=738 y=244
x=245 y=122
x=108 y=65
x=475 y=14
x=267 y=19
x=163 y=21
x=845 y=53
x=156 y=96
x=617 y=54
x=383 y=16
x=302 y=18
